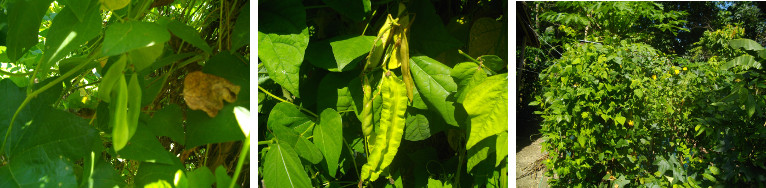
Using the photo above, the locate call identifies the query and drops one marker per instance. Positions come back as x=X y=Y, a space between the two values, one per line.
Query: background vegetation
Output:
x=648 y=93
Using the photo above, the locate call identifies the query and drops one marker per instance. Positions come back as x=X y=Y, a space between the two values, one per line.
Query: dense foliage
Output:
x=626 y=109
x=380 y=93
x=95 y=93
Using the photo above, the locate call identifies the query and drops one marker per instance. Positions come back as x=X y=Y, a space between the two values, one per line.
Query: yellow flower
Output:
x=677 y=71
x=630 y=122
x=654 y=77
x=684 y=68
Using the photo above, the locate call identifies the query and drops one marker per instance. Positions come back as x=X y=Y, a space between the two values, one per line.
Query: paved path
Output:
x=524 y=160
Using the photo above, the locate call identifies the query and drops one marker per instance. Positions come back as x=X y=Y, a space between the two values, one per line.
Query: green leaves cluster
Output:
x=369 y=131
x=625 y=114
x=97 y=103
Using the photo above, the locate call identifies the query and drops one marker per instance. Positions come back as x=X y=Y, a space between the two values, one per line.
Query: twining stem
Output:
x=265 y=142
x=37 y=92
x=351 y=152
x=476 y=61
x=280 y=99
x=241 y=161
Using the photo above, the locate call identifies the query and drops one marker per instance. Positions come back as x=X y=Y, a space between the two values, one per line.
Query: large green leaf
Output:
x=745 y=61
x=417 y=128
x=328 y=138
x=429 y=36
x=306 y=149
x=354 y=10
x=348 y=49
x=168 y=121
x=189 y=34
x=67 y=32
x=746 y=44
x=131 y=35
x=240 y=36
x=23 y=25
x=144 y=146
x=465 y=74
x=479 y=156
x=288 y=115
x=487 y=107
x=83 y=4
x=282 y=41
x=144 y=57
x=43 y=142
x=334 y=93
x=104 y=175
x=282 y=168
x=435 y=85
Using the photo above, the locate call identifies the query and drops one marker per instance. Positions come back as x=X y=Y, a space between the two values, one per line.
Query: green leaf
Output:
x=334 y=93
x=714 y=170
x=467 y=75
x=240 y=36
x=67 y=32
x=487 y=107
x=190 y=35
x=480 y=154
x=124 y=37
x=120 y=126
x=23 y=25
x=306 y=149
x=750 y=105
x=153 y=172
x=282 y=41
x=82 y=4
x=709 y=177
x=168 y=121
x=435 y=84
x=354 y=10
x=144 y=146
x=621 y=182
x=348 y=49
x=44 y=141
x=144 y=57
x=501 y=148
x=282 y=168
x=201 y=177
x=222 y=179
x=745 y=61
x=492 y=62
x=428 y=33
x=104 y=175
x=417 y=128
x=619 y=120
x=746 y=44
x=288 y=115
x=328 y=138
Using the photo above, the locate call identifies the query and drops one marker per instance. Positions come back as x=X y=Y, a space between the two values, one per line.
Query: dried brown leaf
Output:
x=207 y=92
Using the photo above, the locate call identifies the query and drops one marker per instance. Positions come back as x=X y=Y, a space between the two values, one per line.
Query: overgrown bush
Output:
x=623 y=113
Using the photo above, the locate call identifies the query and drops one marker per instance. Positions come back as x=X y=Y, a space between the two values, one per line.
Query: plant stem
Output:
x=265 y=142
x=14 y=74
x=280 y=99
x=351 y=152
x=242 y=156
